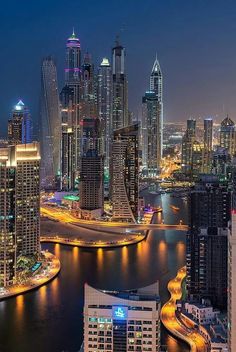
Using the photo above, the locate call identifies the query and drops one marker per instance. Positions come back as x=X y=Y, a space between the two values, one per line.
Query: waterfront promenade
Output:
x=48 y=271
x=171 y=322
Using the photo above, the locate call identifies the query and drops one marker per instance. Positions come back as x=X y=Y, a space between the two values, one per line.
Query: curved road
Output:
x=169 y=319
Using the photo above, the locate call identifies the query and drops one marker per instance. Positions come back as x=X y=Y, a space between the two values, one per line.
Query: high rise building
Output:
x=121 y=321
x=20 y=207
x=192 y=162
x=152 y=123
x=7 y=219
x=120 y=114
x=27 y=162
x=232 y=285
x=50 y=126
x=91 y=135
x=156 y=86
x=91 y=185
x=73 y=60
x=70 y=110
x=105 y=110
x=20 y=125
x=208 y=144
x=88 y=93
x=151 y=134
x=228 y=135
x=125 y=169
x=206 y=250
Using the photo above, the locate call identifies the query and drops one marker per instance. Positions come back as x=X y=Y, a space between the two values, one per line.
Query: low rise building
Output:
x=121 y=321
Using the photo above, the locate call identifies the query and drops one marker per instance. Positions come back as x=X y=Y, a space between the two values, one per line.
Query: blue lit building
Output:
x=121 y=321
x=20 y=125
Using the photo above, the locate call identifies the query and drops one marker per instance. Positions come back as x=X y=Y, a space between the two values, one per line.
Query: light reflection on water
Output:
x=52 y=315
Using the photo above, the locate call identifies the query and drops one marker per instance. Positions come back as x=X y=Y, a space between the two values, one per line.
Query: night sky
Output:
x=195 y=41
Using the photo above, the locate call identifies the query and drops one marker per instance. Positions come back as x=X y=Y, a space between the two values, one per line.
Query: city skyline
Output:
x=198 y=68
x=118 y=181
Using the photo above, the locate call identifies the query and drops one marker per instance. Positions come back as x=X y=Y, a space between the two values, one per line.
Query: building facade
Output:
x=7 y=219
x=151 y=134
x=20 y=125
x=20 y=207
x=206 y=248
x=232 y=285
x=70 y=112
x=125 y=169
x=105 y=110
x=91 y=185
x=152 y=123
x=120 y=116
x=208 y=144
x=50 y=125
x=228 y=135
x=122 y=321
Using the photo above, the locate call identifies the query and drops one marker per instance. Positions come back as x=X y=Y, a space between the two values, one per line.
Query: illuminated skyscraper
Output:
x=91 y=185
x=19 y=206
x=120 y=114
x=151 y=134
x=70 y=100
x=192 y=152
x=88 y=94
x=50 y=127
x=20 y=125
x=152 y=123
x=208 y=144
x=121 y=321
x=73 y=60
x=228 y=135
x=7 y=218
x=105 y=110
x=206 y=248
x=124 y=175
x=232 y=286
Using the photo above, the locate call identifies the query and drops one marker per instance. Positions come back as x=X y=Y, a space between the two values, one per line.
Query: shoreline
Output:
x=84 y=244
x=17 y=290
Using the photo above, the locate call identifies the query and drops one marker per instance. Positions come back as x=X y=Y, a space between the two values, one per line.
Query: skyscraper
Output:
x=70 y=109
x=105 y=110
x=73 y=60
x=152 y=123
x=91 y=185
x=7 y=219
x=151 y=134
x=192 y=152
x=228 y=135
x=232 y=285
x=20 y=125
x=121 y=321
x=50 y=127
x=125 y=170
x=206 y=251
x=208 y=144
x=27 y=162
x=120 y=114
x=19 y=206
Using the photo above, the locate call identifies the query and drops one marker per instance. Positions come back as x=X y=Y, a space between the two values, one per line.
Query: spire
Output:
x=73 y=33
x=156 y=66
x=20 y=105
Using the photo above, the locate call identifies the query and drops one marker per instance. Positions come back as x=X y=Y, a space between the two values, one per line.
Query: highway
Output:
x=64 y=215
x=169 y=319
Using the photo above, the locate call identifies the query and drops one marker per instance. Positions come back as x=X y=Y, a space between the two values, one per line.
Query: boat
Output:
x=173 y=207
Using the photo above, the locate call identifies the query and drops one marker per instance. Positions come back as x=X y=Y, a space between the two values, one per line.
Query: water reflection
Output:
x=55 y=312
x=57 y=250
x=75 y=254
x=19 y=307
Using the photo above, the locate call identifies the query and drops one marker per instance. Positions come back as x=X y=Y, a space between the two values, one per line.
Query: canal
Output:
x=50 y=319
